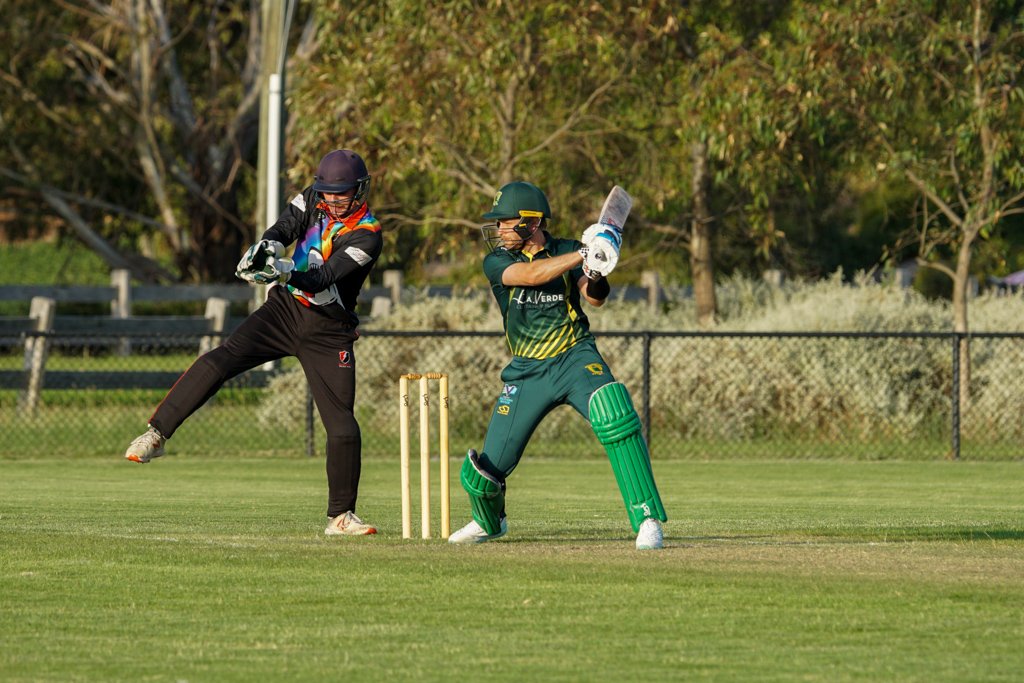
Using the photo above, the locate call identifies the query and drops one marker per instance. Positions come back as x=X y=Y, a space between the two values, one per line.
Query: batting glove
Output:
x=599 y=259
x=603 y=234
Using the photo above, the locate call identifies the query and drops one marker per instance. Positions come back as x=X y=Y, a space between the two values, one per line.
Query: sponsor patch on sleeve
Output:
x=299 y=202
x=358 y=255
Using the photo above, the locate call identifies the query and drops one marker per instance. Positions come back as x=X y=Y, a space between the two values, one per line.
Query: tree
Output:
x=158 y=103
x=738 y=125
x=937 y=90
x=452 y=99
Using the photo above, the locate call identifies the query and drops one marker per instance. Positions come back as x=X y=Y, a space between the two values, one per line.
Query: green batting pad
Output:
x=617 y=426
x=486 y=498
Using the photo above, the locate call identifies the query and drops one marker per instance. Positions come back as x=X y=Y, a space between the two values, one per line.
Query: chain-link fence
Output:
x=700 y=395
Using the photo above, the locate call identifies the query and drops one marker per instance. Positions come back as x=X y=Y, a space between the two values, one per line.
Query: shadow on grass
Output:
x=952 y=534
x=853 y=537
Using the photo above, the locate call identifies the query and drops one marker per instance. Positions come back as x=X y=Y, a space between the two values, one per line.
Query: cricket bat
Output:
x=616 y=208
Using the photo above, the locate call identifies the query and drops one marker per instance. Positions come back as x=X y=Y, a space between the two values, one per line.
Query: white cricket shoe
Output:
x=650 y=536
x=474 y=533
x=146 y=447
x=348 y=524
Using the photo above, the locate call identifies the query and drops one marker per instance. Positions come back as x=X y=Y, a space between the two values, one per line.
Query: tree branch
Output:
x=140 y=267
x=427 y=220
x=661 y=228
x=467 y=171
x=192 y=186
x=569 y=123
x=81 y=199
x=33 y=99
x=182 y=110
x=939 y=203
x=956 y=180
x=936 y=265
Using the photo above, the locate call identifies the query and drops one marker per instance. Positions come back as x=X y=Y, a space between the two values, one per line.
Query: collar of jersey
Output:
x=350 y=221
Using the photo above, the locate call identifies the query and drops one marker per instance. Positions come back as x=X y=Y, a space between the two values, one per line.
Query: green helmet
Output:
x=521 y=200
x=515 y=198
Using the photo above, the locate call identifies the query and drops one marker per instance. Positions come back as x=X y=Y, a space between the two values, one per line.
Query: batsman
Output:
x=539 y=282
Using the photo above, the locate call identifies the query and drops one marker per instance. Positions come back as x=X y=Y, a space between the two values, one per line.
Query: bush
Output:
x=727 y=389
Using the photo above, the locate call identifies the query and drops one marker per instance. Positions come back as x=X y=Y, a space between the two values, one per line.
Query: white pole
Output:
x=274 y=150
x=273 y=208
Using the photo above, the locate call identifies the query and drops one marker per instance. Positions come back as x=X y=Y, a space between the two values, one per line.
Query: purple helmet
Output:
x=340 y=171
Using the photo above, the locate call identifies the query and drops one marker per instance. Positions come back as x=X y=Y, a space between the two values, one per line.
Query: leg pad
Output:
x=617 y=426
x=486 y=493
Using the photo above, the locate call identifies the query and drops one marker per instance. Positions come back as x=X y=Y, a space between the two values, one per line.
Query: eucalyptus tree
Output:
x=150 y=113
x=51 y=135
x=451 y=99
x=732 y=138
x=936 y=89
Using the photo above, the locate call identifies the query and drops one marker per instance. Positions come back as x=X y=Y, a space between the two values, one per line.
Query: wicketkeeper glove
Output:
x=256 y=256
x=264 y=264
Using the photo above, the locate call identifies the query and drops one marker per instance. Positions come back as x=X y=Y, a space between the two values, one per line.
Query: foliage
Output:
x=134 y=123
x=732 y=391
x=489 y=92
x=936 y=93
x=153 y=104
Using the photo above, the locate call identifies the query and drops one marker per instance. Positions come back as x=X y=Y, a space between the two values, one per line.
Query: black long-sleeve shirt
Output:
x=332 y=257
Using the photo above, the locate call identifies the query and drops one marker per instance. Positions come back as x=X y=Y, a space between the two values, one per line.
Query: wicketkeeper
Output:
x=539 y=282
x=309 y=314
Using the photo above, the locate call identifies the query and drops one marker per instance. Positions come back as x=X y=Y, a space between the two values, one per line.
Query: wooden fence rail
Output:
x=122 y=295
x=36 y=331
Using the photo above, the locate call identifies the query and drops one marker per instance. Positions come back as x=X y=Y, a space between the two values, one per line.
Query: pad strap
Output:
x=617 y=426
x=486 y=493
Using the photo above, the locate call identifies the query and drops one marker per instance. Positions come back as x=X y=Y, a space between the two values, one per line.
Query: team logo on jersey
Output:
x=506 y=394
x=596 y=369
x=531 y=298
x=344 y=359
x=503 y=410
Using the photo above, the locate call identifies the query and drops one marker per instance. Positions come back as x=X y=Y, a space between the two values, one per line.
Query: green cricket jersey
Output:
x=540 y=322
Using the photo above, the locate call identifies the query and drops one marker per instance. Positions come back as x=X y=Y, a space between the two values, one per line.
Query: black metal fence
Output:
x=700 y=395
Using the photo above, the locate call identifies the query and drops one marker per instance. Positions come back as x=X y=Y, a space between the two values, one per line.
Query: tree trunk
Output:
x=140 y=268
x=216 y=241
x=961 y=286
x=701 y=231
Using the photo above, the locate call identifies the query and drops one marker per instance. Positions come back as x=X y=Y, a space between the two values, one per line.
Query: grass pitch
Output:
x=216 y=569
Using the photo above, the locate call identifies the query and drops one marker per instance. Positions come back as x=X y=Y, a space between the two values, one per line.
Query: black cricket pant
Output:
x=324 y=347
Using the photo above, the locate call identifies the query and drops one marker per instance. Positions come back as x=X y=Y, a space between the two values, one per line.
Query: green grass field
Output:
x=216 y=569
